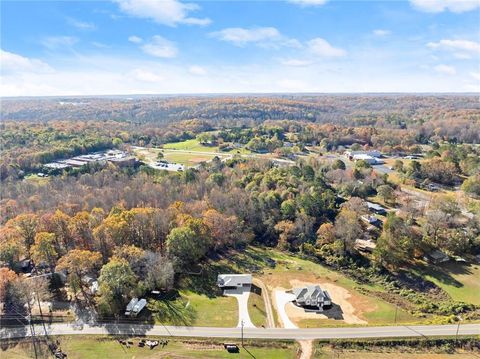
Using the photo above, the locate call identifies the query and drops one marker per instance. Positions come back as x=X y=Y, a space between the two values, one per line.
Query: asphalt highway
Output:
x=255 y=333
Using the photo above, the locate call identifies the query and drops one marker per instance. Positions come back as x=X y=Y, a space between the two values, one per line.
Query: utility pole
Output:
x=458 y=327
x=242 y=331
x=32 y=327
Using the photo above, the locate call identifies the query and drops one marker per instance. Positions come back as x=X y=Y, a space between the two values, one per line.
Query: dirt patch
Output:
x=198 y=159
x=307 y=349
x=343 y=309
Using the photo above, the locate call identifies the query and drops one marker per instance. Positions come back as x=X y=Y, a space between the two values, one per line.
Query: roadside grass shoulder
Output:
x=105 y=347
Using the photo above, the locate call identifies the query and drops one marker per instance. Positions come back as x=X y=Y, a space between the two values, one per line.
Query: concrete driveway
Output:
x=282 y=298
x=242 y=295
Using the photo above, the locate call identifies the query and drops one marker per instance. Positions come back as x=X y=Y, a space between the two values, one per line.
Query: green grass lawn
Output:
x=149 y=155
x=190 y=145
x=256 y=309
x=460 y=281
x=212 y=312
x=34 y=178
x=92 y=347
x=187 y=159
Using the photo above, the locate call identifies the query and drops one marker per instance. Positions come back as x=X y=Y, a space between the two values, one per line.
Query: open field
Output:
x=90 y=347
x=187 y=158
x=194 y=145
x=461 y=281
x=190 y=145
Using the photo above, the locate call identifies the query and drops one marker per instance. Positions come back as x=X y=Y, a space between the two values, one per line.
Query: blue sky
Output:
x=147 y=46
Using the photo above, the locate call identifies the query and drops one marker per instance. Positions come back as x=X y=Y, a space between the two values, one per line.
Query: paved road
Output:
x=258 y=333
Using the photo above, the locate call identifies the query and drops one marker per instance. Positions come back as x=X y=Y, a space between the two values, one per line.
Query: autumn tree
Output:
x=472 y=186
x=347 y=229
x=134 y=256
x=286 y=234
x=77 y=263
x=185 y=245
x=44 y=251
x=7 y=277
x=26 y=224
x=395 y=244
x=387 y=193
x=10 y=246
x=325 y=234
x=159 y=272
x=117 y=283
x=225 y=230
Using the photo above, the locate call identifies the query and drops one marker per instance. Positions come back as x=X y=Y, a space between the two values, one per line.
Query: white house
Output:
x=234 y=280
x=371 y=153
x=312 y=296
x=367 y=158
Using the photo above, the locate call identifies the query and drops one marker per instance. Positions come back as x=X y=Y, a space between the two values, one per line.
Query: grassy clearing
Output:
x=190 y=145
x=34 y=178
x=256 y=309
x=149 y=155
x=461 y=281
x=194 y=145
x=187 y=159
x=212 y=312
x=91 y=347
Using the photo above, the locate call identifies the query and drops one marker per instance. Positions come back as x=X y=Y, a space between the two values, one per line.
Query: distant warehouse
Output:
x=367 y=158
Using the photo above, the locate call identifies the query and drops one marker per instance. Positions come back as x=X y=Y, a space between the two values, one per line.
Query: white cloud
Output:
x=55 y=42
x=81 y=25
x=321 y=47
x=240 y=36
x=296 y=62
x=135 y=39
x=462 y=56
x=381 y=32
x=99 y=45
x=165 y=12
x=306 y=3
x=160 y=47
x=475 y=75
x=14 y=63
x=436 y=6
x=455 y=45
x=197 y=70
x=445 y=69
x=261 y=36
x=146 y=76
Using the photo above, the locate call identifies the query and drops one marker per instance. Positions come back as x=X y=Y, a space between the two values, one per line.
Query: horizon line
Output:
x=204 y=94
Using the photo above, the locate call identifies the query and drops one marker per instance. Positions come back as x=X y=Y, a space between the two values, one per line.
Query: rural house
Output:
x=312 y=296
